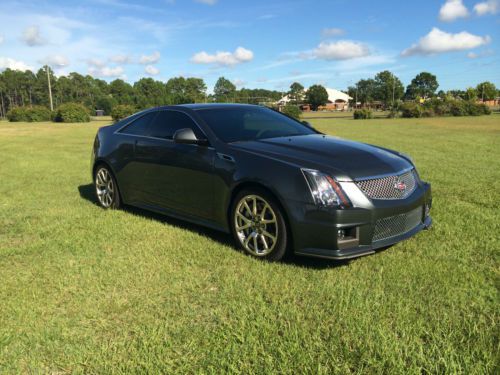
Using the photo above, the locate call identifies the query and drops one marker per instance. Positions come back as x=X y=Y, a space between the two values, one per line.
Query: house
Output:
x=337 y=101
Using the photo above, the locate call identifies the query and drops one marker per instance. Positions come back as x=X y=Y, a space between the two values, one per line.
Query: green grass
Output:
x=91 y=291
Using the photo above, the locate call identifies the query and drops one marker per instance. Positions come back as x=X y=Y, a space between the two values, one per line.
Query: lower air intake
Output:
x=397 y=225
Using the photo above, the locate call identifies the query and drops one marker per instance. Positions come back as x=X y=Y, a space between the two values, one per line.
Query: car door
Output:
x=131 y=174
x=177 y=177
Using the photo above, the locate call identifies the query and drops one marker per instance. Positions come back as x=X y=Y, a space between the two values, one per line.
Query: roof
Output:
x=333 y=96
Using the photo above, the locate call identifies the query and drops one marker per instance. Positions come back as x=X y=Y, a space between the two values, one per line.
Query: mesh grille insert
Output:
x=396 y=225
x=390 y=187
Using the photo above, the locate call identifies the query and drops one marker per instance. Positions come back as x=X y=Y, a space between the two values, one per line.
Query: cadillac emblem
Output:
x=399 y=185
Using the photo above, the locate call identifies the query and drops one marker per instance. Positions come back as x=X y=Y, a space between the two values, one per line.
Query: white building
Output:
x=337 y=101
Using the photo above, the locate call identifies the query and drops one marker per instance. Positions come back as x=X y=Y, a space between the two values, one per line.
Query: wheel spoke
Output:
x=264 y=242
x=243 y=227
x=247 y=207
x=267 y=234
x=243 y=217
x=268 y=221
x=247 y=240
x=254 y=212
x=255 y=246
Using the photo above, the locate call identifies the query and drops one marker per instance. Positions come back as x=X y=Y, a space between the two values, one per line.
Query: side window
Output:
x=139 y=126
x=168 y=122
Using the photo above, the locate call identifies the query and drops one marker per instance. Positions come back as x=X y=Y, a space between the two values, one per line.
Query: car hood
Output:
x=343 y=159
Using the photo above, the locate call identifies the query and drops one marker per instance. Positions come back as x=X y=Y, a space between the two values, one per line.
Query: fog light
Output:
x=340 y=234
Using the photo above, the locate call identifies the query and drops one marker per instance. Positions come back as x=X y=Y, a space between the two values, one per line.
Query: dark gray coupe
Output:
x=273 y=182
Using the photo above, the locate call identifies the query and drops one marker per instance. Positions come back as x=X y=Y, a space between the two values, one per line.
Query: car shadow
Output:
x=87 y=192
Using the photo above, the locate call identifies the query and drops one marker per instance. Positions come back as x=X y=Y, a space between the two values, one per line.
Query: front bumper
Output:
x=315 y=229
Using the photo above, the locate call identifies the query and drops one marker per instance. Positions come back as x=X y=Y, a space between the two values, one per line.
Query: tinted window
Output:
x=250 y=123
x=139 y=126
x=168 y=122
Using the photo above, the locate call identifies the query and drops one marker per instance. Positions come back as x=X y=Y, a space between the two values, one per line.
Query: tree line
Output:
x=22 y=89
x=26 y=89
x=388 y=90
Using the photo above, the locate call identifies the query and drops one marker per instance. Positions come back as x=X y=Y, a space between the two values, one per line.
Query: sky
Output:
x=258 y=43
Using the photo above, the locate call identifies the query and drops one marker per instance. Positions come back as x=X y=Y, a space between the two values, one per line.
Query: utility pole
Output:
x=393 y=89
x=50 y=89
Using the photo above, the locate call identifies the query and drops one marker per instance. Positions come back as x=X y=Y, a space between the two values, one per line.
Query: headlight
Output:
x=325 y=190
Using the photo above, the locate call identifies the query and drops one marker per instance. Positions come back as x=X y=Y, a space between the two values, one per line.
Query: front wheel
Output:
x=258 y=225
x=106 y=188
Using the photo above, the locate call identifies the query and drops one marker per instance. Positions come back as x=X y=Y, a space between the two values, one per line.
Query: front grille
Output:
x=390 y=187
x=393 y=226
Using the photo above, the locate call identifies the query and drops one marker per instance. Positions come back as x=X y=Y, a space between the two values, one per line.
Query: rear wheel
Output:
x=106 y=188
x=258 y=225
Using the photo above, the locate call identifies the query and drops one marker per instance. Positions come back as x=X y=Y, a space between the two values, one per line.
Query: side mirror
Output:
x=187 y=136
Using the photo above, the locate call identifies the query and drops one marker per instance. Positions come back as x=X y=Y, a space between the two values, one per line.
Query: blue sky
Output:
x=256 y=43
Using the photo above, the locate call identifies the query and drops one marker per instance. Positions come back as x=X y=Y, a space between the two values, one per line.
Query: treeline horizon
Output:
x=25 y=88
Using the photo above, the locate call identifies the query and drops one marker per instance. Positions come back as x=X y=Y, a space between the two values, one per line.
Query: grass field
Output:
x=91 y=291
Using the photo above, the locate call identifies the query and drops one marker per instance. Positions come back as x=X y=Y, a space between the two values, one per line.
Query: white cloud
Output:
x=150 y=59
x=32 y=37
x=487 y=7
x=341 y=50
x=267 y=17
x=55 y=61
x=240 y=55
x=476 y=55
x=452 y=10
x=333 y=31
x=121 y=59
x=151 y=70
x=106 y=71
x=7 y=62
x=239 y=82
x=207 y=2
x=96 y=63
x=438 y=41
x=1 y=39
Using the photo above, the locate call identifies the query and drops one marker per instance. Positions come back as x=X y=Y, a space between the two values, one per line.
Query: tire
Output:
x=258 y=225
x=106 y=188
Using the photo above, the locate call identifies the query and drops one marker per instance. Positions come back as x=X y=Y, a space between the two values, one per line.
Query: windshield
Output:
x=251 y=123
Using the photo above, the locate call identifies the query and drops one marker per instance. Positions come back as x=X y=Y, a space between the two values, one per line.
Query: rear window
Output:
x=140 y=125
x=251 y=123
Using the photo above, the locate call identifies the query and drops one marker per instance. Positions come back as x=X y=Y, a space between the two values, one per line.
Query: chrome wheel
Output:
x=256 y=225
x=105 y=187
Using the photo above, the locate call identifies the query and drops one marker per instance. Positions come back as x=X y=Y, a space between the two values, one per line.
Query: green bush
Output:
x=122 y=111
x=292 y=111
x=458 y=108
x=17 y=114
x=477 y=109
x=411 y=110
x=428 y=112
x=362 y=114
x=71 y=112
x=485 y=110
x=473 y=109
x=29 y=114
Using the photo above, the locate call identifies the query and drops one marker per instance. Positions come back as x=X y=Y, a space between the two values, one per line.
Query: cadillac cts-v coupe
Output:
x=275 y=183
